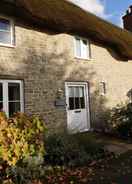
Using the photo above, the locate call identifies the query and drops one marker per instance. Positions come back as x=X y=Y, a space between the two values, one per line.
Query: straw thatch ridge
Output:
x=63 y=16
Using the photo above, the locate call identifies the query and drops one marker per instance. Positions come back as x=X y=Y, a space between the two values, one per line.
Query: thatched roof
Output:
x=63 y=16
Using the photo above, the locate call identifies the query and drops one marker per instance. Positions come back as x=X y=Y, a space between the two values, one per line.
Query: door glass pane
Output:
x=81 y=92
x=71 y=91
x=14 y=91
x=14 y=107
x=82 y=102
x=71 y=97
x=5 y=37
x=71 y=103
x=77 y=100
x=77 y=103
x=76 y=91
x=82 y=98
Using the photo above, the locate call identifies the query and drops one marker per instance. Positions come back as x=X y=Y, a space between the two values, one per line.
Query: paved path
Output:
x=118 y=148
x=115 y=145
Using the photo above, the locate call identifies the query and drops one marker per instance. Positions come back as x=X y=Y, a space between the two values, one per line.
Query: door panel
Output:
x=77 y=107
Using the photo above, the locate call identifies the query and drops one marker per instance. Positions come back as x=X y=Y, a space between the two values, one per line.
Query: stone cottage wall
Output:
x=45 y=61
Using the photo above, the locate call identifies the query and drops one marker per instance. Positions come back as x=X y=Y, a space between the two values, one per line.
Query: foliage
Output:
x=26 y=172
x=121 y=120
x=72 y=150
x=21 y=137
x=111 y=170
x=115 y=169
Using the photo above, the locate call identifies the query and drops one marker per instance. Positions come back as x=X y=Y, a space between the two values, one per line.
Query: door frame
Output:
x=86 y=97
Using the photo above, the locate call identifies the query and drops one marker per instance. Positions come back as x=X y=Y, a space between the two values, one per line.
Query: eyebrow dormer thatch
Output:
x=63 y=16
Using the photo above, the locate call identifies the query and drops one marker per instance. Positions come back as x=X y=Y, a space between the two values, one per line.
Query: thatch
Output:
x=63 y=16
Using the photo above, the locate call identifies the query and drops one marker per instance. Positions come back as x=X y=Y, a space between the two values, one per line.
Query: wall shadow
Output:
x=44 y=68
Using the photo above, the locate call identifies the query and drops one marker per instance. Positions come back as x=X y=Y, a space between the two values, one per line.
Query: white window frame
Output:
x=12 y=32
x=6 y=95
x=102 y=88
x=88 y=48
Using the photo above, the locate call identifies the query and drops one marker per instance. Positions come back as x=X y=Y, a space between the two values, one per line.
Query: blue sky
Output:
x=116 y=8
x=110 y=10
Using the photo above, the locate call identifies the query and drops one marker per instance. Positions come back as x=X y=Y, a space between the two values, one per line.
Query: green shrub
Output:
x=21 y=137
x=27 y=172
x=121 y=120
x=72 y=150
x=21 y=148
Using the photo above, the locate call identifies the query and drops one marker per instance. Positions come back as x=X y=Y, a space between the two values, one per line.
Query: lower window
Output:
x=11 y=96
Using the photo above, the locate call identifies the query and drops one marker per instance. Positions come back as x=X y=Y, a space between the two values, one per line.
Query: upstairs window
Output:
x=82 y=48
x=6 y=32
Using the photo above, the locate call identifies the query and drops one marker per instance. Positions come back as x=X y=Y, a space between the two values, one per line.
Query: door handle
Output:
x=78 y=111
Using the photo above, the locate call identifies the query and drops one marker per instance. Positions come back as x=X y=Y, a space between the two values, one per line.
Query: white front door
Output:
x=77 y=107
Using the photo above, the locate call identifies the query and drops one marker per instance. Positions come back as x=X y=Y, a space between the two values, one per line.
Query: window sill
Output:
x=7 y=45
x=83 y=59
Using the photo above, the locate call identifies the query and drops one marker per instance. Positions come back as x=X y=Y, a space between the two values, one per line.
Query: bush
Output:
x=21 y=147
x=21 y=137
x=72 y=150
x=121 y=120
x=26 y=172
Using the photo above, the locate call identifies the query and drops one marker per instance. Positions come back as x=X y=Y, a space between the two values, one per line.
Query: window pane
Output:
x=78 y=47
x=84 y=49
x=84 y=42
x=4 y=24
x=1 y=93
x=14 y=107
x=5 y=37
x=14 y=91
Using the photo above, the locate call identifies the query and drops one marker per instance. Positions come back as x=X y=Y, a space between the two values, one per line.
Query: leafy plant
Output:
x=121 y=120
x=26 y=172
x=21 y=137
x=72 y=150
